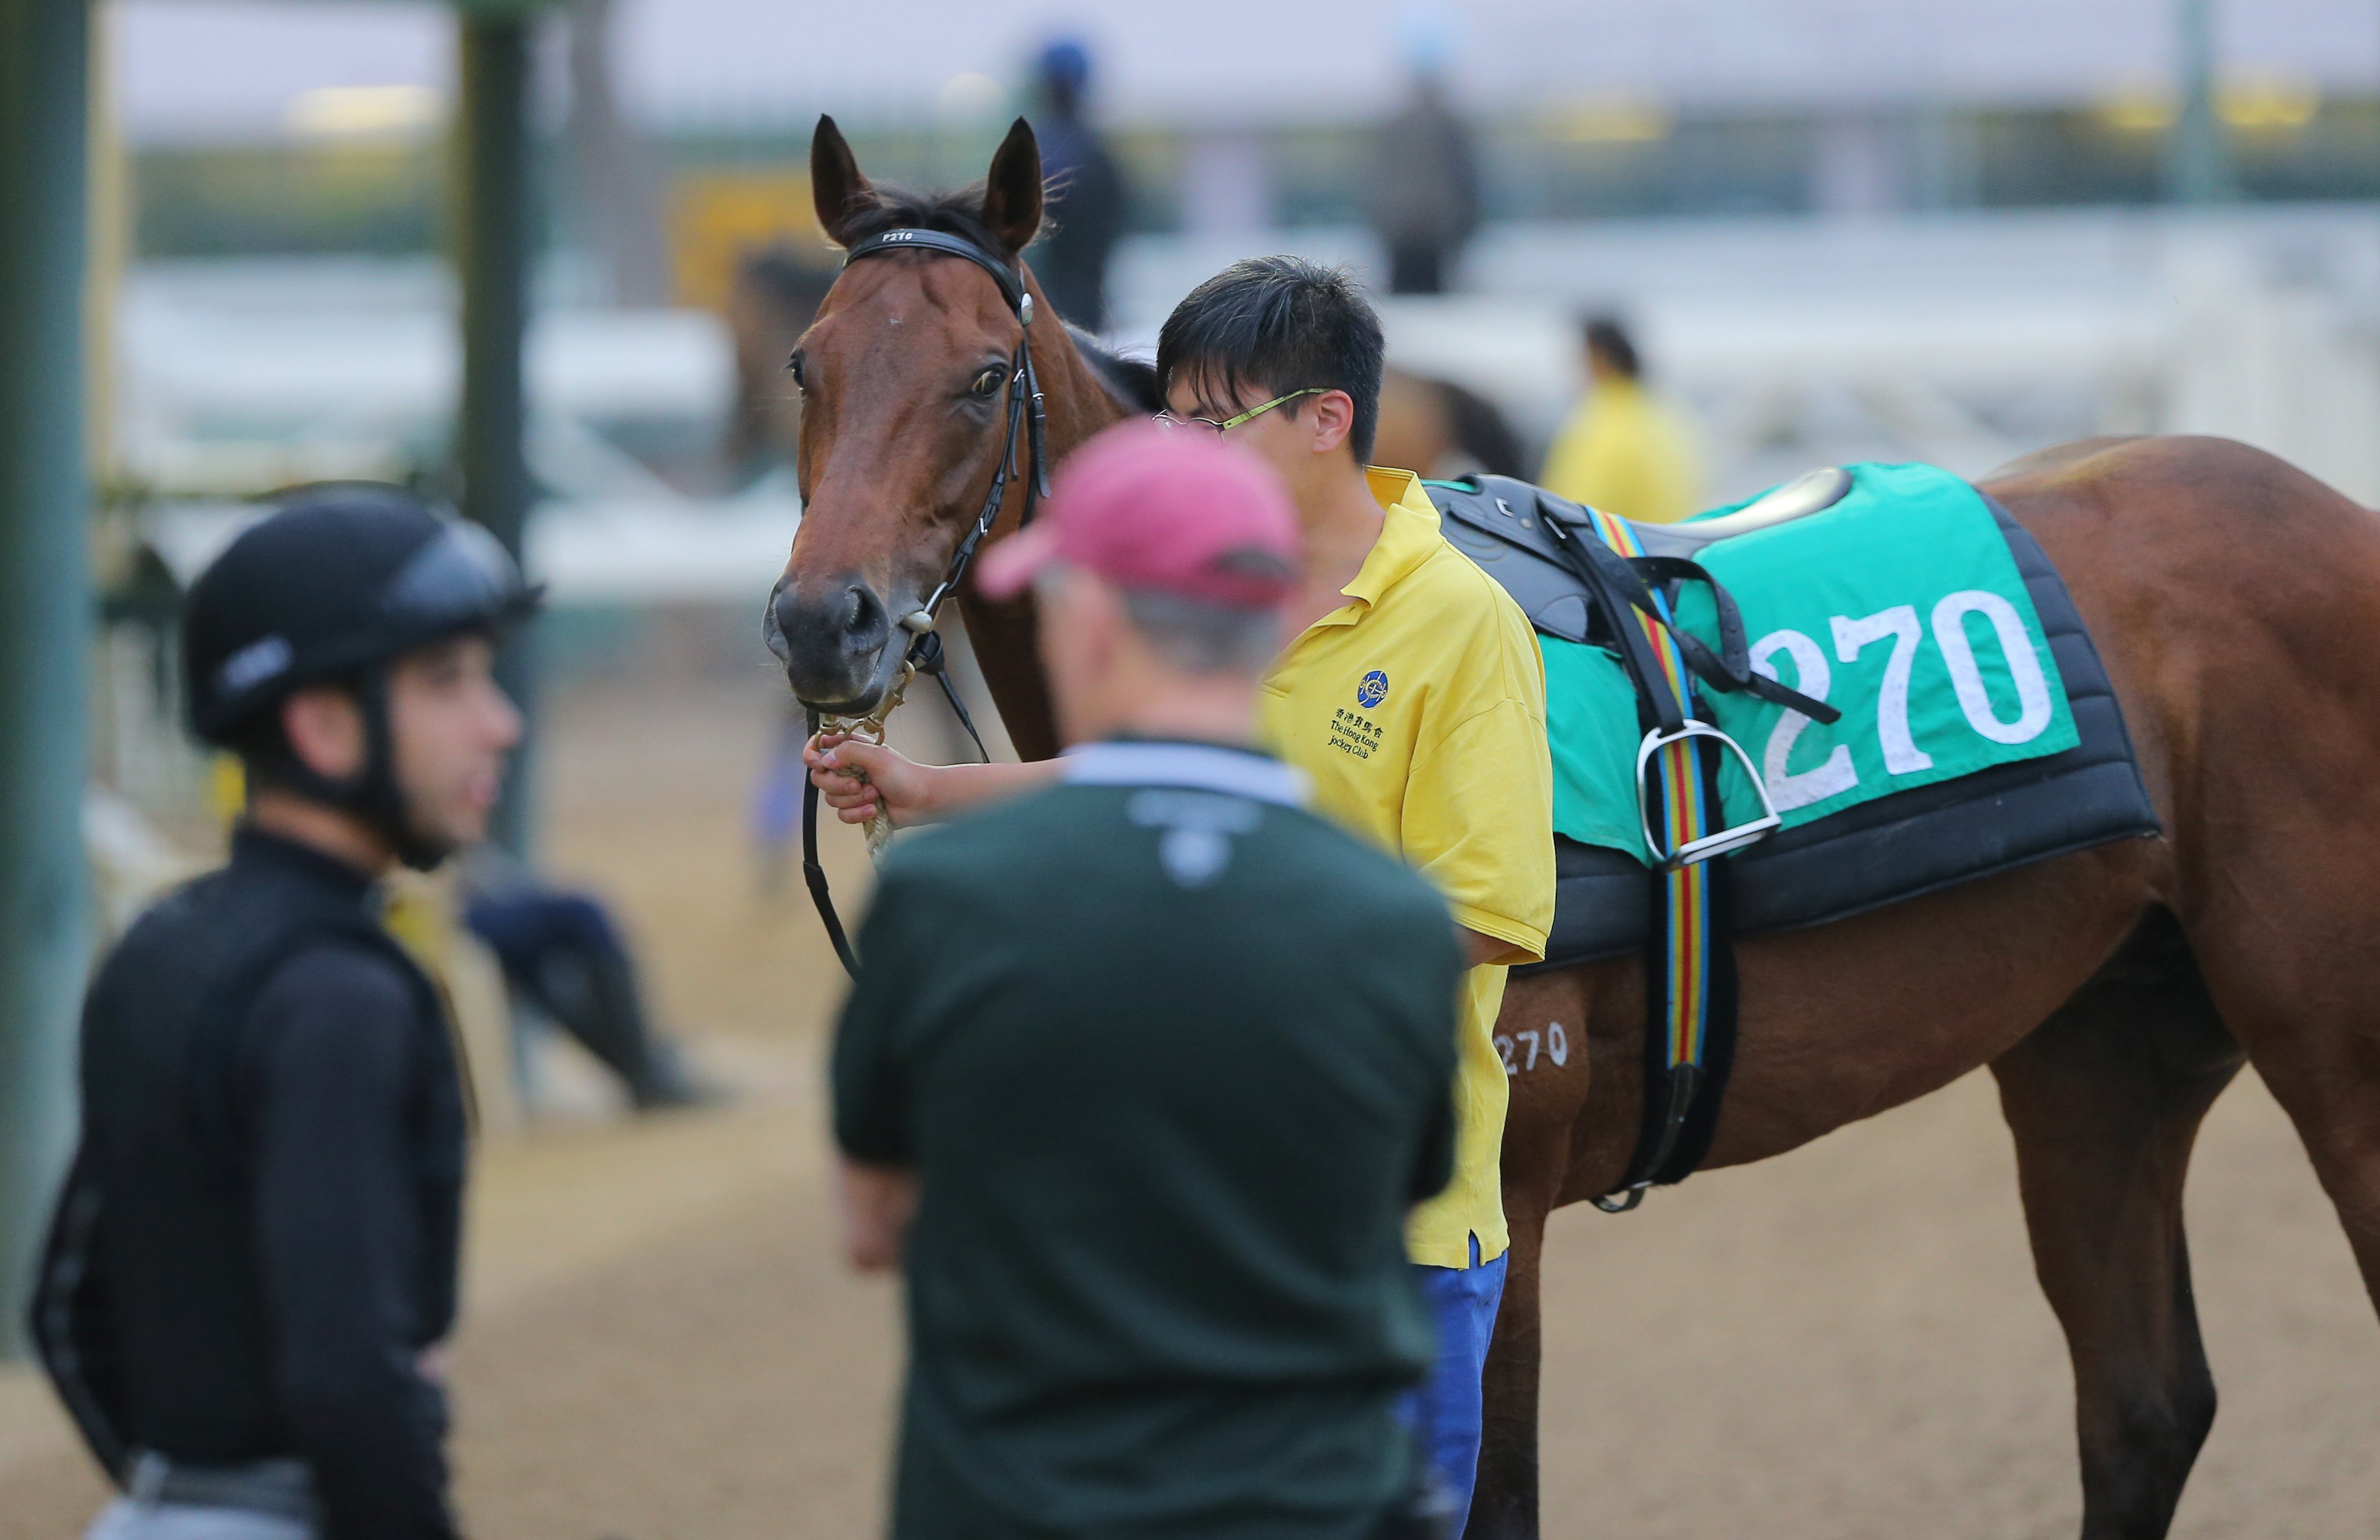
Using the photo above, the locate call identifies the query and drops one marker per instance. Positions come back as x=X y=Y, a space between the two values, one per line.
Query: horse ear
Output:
x=1012 y=193
x=838 y=191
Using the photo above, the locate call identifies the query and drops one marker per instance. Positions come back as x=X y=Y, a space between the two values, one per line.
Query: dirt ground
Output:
x=662 y=1344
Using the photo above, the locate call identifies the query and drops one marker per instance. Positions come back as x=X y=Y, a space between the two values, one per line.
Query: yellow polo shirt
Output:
x=1418 y=710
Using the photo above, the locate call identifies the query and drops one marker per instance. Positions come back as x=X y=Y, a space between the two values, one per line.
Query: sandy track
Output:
x=1844 y=1343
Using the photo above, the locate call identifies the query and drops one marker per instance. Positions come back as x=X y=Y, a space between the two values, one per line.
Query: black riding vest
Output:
x=151 y=1314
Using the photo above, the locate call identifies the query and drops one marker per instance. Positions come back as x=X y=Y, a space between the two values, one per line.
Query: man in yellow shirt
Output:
x=1412 y=695
x=1623 y=452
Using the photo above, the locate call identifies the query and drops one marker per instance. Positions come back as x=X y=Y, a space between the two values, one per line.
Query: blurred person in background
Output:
x=1424 y=192
x=776 y=295
x=1412 y=693
x=563 y=953
x=1087 y=207
x=557 y=951
x=1623 y=451
x=253 y=1265
x=1142 y=1070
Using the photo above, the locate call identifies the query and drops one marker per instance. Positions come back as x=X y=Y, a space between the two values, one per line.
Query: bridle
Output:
x=1024 y=453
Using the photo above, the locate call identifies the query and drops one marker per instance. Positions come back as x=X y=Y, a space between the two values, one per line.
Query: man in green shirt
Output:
x=1143 y=1071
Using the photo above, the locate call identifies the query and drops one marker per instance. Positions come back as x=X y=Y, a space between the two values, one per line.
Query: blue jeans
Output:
x=1446 y=1409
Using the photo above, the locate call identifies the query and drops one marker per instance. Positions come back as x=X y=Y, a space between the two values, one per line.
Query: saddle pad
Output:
x=1900 y=606
x=1910 y=843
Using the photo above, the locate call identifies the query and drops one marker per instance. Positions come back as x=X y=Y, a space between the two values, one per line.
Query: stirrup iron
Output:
x=1748 y=833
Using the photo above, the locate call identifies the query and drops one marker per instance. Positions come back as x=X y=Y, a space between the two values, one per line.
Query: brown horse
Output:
x=2113 y=992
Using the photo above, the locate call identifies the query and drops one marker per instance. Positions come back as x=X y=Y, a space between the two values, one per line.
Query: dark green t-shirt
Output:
x=1170 y=1057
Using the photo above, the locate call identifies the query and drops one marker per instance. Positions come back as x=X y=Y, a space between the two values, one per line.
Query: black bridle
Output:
x=1026 y=431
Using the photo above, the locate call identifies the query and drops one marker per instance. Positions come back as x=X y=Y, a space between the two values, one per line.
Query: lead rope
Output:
x=815 y=875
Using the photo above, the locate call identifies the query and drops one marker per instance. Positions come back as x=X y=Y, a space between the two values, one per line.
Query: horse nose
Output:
x=830 y=638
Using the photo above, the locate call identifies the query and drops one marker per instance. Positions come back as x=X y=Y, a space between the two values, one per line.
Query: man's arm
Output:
x=1479 y=951
x=338 y=1236
x=878 y=1204
x=913 y=793
x=1477 y=823
x=71 y=1326
x=869 y=1079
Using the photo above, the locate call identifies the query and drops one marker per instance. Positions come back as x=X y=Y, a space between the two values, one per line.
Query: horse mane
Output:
x=1132 y=381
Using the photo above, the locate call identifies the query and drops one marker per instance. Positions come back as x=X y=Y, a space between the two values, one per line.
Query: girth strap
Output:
x=1690 y=967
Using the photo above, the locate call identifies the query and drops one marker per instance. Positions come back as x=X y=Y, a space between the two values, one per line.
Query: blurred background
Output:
x=1660 y=254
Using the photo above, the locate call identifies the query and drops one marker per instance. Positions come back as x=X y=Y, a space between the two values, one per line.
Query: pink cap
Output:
x=1180 y=512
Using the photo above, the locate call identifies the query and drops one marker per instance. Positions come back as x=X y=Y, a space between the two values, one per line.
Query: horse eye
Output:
x=987 y=384
x=794 y=366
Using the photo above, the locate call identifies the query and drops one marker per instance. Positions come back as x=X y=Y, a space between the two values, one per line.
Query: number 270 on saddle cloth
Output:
x=1900 y=606
x=1978 y=730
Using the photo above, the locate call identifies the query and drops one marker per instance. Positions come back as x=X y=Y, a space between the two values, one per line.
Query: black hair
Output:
x=1605 y=335
x=1281 y=324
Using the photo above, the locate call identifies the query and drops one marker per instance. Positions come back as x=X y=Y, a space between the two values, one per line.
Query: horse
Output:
x=2113 y=992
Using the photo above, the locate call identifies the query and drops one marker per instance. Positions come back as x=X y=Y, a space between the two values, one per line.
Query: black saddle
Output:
x=1500 y=524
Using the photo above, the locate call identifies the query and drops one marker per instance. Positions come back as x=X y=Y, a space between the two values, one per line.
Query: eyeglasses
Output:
x=1168 y=420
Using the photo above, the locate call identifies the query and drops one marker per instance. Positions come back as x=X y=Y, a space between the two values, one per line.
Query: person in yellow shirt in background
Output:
x=1623 y=451
x=1411 y=694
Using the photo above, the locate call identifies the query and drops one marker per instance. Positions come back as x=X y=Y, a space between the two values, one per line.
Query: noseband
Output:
x=1025 y=452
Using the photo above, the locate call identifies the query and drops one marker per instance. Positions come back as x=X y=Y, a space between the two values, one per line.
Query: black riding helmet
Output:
x=339 y=581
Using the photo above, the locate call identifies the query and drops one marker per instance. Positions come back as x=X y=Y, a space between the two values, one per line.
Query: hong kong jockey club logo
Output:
x=1373 y=690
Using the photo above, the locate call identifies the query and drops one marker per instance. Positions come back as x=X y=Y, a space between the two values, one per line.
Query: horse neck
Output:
x=1078 y=405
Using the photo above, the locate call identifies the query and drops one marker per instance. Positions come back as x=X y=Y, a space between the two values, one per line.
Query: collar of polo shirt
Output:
x=1200 y=767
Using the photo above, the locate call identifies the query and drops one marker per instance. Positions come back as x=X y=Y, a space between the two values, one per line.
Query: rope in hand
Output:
x=926 y=656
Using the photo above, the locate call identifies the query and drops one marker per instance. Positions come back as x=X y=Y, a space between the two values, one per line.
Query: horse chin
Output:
x=853 y=702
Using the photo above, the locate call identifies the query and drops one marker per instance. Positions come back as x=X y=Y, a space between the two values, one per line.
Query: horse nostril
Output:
x=865 y=624
x=830 y=641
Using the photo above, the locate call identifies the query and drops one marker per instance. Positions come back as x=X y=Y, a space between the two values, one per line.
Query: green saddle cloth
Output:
x=1900 y=605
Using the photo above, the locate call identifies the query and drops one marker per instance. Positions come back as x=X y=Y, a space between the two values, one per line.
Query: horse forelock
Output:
x=957 y=212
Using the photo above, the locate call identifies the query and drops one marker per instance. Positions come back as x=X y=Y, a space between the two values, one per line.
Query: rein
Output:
x=1025 y=454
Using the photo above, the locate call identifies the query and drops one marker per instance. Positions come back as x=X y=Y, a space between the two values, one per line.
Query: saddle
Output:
x=1500 y=524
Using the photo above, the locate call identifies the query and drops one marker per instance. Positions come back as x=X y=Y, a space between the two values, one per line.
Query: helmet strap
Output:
x=371 y=793
x=381 y=800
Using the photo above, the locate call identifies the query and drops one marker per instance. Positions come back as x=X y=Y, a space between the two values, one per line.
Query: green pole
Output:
x=2198 y=169
x=46 y=616
x=492 y=252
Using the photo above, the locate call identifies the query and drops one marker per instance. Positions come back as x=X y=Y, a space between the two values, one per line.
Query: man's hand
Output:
x=887 y=778
x=912 y=793
x=878 y=1204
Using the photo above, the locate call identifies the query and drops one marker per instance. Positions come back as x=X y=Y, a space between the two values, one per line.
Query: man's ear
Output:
x=324 y=728
x=1012 y=192
x=1329 y=417
x=838 y=189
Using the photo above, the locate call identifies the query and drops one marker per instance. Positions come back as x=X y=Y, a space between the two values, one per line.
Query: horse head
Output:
x=904 y=380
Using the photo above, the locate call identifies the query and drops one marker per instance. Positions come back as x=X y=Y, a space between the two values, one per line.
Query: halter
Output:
x=1026 y=428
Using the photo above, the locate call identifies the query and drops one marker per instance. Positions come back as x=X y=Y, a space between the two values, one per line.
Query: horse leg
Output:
x=2105 y=1100
x=2300 y=998
x=1504 y=1503
x=1549 y=1094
